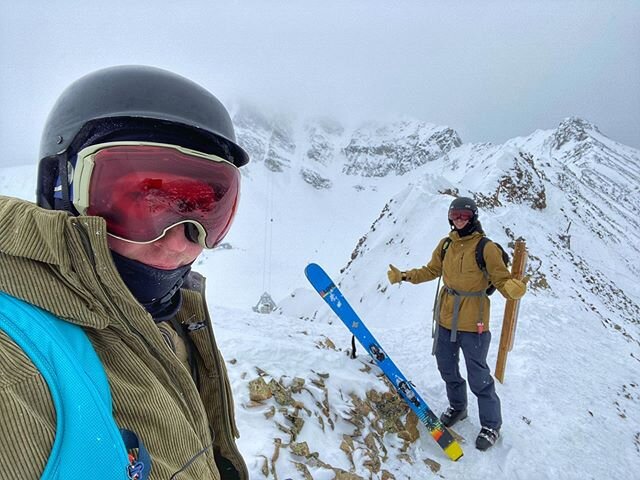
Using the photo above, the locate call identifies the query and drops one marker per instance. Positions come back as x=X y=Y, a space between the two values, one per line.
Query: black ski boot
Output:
x=487 y=438
x=452 y=416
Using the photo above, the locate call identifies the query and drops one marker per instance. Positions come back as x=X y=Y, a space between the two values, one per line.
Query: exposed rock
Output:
x=280 y=393
x=314 y=179
x=523 y=184
x=276 y=453
x=302 y=468
x=265 y=466
x=323 y=139
x=326 y=343
x=373 y=462
x=297 y=423
x=432 y=464
x=572 y=128
x=259 y=390
x=410 y=432
x=301 y=449
x=376 y=151
x=343 y=475
x=297 y=384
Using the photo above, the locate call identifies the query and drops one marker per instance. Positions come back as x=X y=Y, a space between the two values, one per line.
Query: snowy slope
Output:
x=572 y=380
x=571 y=400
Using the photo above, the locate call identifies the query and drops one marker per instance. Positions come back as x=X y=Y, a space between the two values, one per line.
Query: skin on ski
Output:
x=334 y=298
x=511 y=308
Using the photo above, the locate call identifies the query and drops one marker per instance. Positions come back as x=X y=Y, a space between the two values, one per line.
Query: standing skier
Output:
x=462 y=315
x=103 y=325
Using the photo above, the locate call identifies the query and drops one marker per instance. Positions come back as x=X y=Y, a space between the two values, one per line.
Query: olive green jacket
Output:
x=460 y=272
x=62 y=264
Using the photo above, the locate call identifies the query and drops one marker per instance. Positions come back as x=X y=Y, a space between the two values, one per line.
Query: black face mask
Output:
x=468 y=229
x=156 y=289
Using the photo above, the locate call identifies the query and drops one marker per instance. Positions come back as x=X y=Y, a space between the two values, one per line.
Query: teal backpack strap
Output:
x=88 y=443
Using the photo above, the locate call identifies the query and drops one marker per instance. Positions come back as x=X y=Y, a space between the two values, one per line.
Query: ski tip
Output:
x=310 y=268
x=454 y=451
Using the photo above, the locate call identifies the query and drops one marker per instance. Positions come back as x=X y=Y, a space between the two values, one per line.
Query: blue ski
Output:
x=334 y=298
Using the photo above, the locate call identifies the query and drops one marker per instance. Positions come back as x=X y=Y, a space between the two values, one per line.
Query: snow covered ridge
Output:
x=572 y=193
x=571 y=400
x=372 y=150
x=376 y=151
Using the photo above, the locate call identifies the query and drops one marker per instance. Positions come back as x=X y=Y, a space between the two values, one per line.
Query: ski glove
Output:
x=395 y=275
x=514 y=289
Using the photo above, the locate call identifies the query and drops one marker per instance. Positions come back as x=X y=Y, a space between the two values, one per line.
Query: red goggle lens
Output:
x=142 y=190
x=460 y=215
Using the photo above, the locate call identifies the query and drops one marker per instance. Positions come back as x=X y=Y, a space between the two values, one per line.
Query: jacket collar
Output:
x=62 y=264
x=455 y=236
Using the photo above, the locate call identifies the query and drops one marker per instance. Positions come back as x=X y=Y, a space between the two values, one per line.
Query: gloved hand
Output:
x=394 y=275
x=515 y=288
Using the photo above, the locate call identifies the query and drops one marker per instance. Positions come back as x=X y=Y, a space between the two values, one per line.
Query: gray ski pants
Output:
x=474 y=348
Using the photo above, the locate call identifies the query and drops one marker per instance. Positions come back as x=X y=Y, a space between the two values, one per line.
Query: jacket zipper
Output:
x=219 y=371
x=86 y=243
x=232 y=428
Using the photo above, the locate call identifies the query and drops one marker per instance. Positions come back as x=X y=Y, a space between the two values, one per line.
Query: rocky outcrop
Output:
x=314 y=179
x=572 y=129
x=397 y=148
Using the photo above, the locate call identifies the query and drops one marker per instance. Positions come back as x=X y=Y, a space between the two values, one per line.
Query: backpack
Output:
x=88 y=443
x=482 y=265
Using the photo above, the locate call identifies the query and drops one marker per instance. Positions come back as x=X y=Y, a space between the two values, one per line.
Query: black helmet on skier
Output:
x=464 y=208
x=117 y=121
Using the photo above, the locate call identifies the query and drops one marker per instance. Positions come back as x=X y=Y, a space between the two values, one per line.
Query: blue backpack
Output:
x=80 y=392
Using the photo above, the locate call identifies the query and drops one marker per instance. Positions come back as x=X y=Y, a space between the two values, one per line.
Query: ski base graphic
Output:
x=334 y=298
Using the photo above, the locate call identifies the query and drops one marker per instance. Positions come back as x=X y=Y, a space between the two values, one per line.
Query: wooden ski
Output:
x=511 y=308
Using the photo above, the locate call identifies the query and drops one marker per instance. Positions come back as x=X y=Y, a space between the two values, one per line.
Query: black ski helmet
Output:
x=130 y=102
x=464 y=203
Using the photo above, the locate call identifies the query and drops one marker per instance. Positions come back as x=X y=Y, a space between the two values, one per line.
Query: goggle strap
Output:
x=63 y=172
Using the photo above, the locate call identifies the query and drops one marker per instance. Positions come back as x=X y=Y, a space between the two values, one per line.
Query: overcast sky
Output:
x=492 y=70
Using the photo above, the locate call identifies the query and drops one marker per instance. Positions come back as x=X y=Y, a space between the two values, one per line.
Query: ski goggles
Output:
x=143 y=189
x=460 y=214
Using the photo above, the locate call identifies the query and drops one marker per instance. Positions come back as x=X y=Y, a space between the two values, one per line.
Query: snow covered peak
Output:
x=399 y=147
x=573 y=129
x=310 y=145
x=268 y=140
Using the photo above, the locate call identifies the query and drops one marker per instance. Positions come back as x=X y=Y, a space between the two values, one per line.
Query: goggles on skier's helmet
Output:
x=143 y=189
x=460 y=214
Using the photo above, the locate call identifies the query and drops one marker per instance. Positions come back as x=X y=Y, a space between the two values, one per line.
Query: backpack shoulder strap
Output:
x=79 y=390
x=445 y=246
x=482 y=265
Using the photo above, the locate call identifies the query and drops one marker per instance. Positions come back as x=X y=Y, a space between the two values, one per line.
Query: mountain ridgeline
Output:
x=571 y=192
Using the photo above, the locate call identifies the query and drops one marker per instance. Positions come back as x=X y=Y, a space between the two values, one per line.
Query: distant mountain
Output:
x=372 y=150
x=572 y=193
x=400 y=147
